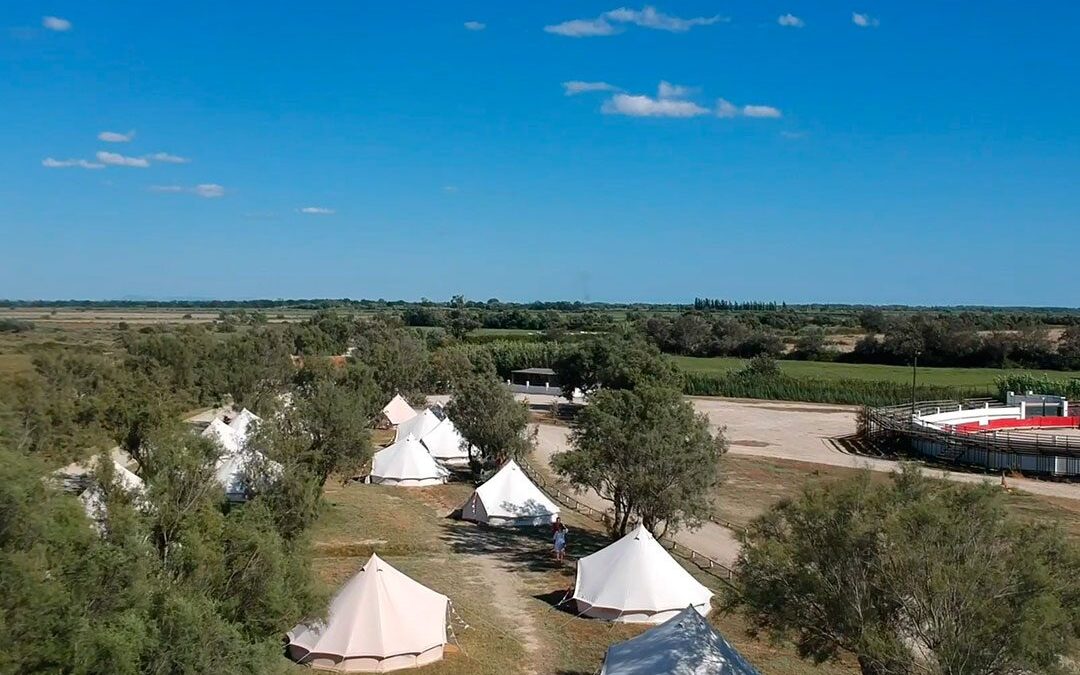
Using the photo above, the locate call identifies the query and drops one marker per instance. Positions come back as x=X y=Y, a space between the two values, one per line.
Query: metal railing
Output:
x=898 y=429
x=561 y=494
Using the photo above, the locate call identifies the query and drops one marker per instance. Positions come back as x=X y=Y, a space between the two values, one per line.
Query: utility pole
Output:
x=914 y=370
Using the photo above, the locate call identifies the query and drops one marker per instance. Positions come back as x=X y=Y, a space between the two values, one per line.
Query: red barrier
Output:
x=1029 y=423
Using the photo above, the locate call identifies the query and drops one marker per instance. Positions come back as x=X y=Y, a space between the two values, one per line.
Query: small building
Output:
x=534 y=377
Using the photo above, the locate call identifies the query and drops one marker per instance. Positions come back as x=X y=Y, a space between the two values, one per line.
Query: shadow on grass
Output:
x=521 y=548
x=560 y=600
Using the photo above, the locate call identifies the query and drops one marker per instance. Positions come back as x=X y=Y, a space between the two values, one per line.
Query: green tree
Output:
x=487 y=415
x=615 y=361
x=648 y=453
x=462 y=321
x=919 y=576
x=396 y=357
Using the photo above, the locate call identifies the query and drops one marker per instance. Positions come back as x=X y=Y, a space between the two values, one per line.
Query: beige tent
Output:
x=635 y=580
x=406 y=463
x=510 y=498
x=398 y=410
x=380 y=620
x=447 y=445
x=226 y=438
x=418 y=425
x=244 y=424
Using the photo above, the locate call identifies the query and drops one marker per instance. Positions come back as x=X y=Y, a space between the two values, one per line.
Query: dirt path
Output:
x=486 y=553
x=508 y=595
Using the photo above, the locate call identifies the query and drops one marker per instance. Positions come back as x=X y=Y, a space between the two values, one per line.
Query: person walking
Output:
x=560 y=542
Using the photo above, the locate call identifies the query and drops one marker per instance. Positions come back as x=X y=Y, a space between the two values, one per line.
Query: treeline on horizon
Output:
x=700 y=304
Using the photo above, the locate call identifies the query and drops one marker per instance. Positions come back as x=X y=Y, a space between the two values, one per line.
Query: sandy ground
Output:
x=805 y=432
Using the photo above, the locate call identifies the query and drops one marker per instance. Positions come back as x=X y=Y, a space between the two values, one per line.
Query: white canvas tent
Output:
x=93 y=497
x=635 y=580
x=380 y=620
x=685 y=644
x=406 y=463
x=446 y=444
x=418 y=425
x=244 y=424
x=224 y=435
x=233 y=470
x=510 y=498
x=398 y=410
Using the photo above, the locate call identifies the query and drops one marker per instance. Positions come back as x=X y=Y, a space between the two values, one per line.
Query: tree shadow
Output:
x=528 y=548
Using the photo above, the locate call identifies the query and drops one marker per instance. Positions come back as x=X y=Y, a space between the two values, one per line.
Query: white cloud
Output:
x=726 y=109
x=450 y=189
x=578 y=87
x=205 y=190
x=166 y=158
x=475 y=25
x=668 y=90
x=646 y=106
x=56 y=23
x=66 y=163
x=864 y=20
x=582 y=28
x=116 y=159
x=317 y=211
x=209 y=190
x=791 y=21
x=610 y=23
x=648 y=17
x=116 y=136
x=766 y=111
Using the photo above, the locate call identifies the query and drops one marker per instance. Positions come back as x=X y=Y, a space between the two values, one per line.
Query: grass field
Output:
x=958 y=377
x=503 y=583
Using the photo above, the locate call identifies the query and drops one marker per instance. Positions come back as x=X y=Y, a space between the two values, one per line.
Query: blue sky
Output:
x=865 y=151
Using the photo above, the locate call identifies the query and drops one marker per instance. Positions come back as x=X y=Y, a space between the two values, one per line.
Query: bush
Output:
x=1039 y=384
x=15 y=326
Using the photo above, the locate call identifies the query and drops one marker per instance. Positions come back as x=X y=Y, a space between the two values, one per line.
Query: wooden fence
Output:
x=562 y=494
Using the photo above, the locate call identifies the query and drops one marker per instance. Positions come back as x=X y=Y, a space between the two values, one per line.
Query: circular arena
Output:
x=1028 y=434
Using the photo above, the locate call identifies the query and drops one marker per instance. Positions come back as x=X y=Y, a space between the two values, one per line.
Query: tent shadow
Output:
x=559 y=600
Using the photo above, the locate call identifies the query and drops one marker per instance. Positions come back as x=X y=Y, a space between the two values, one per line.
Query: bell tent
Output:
x=244 y=424
x=380 y=620
x=233 y=471
x=418 y=425
x=635 y=580
x=406 y=463
x=685 y=644
x=398 y=410
x=224 y=435
x=509 y=498
x=446 y=444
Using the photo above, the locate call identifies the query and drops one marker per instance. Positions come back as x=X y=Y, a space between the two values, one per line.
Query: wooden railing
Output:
x=562 y=494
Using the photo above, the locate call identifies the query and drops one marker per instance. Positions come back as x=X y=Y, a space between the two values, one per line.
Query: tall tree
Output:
x=486 y=414
x=648 y=453
x=461 y=321
x=919 y=576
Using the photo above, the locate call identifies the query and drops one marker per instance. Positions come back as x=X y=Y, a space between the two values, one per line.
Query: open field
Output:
x=958 y=377
x=502 y=583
